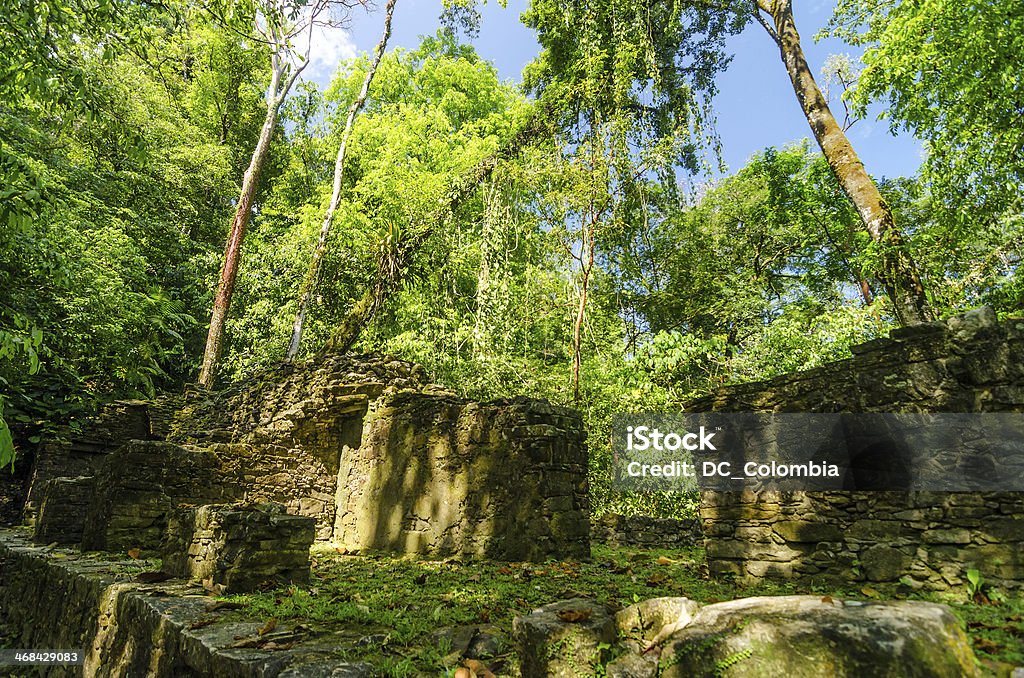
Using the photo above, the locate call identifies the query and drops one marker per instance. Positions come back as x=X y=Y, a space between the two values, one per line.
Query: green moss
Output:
x=408 y=600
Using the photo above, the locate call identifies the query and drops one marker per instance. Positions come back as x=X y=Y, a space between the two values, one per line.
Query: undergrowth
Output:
x=393 y=611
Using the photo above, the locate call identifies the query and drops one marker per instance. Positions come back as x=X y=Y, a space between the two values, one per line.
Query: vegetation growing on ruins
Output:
x=569 y=239
x=391 y=609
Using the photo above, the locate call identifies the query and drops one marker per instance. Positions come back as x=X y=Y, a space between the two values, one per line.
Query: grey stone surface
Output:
x=632 y=666
x=59 y=598
x=811 y=637
x=970 y=363
x=550 y=645
x=238 y=548
x=644 y=622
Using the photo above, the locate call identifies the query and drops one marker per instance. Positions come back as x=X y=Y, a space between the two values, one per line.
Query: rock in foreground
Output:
x=791 y=636
x=810 y=636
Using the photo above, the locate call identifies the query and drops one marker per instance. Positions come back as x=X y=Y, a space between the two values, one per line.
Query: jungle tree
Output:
x=277 y=23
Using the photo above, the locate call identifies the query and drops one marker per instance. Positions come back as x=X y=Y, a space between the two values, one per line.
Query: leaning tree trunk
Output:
x=229 y=269
x=276 y=93
x=898 y=273
x=309 y=282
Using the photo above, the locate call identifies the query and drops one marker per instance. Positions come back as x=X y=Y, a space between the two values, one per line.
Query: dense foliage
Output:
x=597 y=265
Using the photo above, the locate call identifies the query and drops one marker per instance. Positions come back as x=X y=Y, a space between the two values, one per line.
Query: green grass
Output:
x=395 y=605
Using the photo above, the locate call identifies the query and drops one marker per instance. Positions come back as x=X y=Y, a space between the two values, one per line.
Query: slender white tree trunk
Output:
x=309 y=282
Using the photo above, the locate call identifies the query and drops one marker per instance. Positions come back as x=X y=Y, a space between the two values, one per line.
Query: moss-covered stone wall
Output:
x=412 y=467
x=969 y=363
x=441 y=475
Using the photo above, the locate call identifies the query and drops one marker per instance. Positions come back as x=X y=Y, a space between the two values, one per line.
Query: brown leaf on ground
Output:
x=658 y=579
x=200 y=623
x=246 y=642
x=268 y=627
x=276 y=646
x=478 y=668
x=575 y=616
x=223 y=605
x=986 y=645
x=134 y=554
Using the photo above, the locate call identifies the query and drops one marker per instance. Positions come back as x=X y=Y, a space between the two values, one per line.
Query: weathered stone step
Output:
x=56 y=598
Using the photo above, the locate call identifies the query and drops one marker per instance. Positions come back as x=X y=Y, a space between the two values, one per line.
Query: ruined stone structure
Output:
x=377 y=456
x=970 y=363
x=56 y=598
x=82 y=453
x=646 y=532
x=235 y=549
x=437 y=474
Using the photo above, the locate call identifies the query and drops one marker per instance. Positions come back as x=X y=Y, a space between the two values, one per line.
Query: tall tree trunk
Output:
x=276 y=93
x=229 y=269
x=587 y=265
x=898 y=273
x=309 y=282
x=391 y=274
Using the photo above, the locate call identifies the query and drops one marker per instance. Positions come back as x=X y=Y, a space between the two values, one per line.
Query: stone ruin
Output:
x=234 y=549
x=925 y=540
x=370 y=453
x=234 y=487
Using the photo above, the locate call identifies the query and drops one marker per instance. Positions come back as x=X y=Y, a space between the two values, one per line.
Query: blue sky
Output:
x=756 y=106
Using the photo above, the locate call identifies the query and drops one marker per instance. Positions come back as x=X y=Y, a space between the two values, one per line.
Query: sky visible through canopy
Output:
x=756 y=106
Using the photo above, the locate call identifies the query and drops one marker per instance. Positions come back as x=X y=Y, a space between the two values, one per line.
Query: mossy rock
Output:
x=814 y=637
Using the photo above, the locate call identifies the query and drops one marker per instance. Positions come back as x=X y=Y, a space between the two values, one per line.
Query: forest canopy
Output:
x=570 y=237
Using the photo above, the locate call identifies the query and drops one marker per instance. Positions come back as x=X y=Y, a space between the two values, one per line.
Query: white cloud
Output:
x=329 y=46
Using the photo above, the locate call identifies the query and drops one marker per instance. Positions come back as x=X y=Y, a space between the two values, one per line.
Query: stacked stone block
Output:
x=238 y=548
x=63 y=505
x=140 y=484
x=441 y=475
x=969 y=363
x=646 y=531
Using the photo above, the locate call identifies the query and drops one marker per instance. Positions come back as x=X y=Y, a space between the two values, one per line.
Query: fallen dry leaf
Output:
x=134 y=554
x=478 y=668
x=575 y=616
x=986 y=645
x=276 y=646
x=268 y=627
x=246 y=642
x=657 y=579
x=200 y=623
